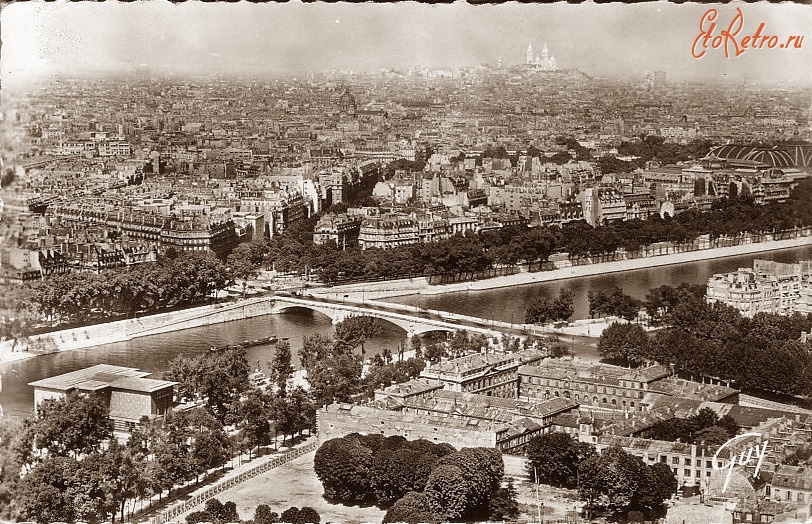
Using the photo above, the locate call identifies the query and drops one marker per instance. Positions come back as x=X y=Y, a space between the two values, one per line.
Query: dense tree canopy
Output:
x=617 y=483
x=626 y=342
x=542 y=309
x=245 y=260
x=704 y=428
x=343 y=466
x=412 y=508
x=75 y=425
x=85 y=475
x=464 y=255
x=414 y=479
x=354 y=331
x=217 y=377
x=762 y=353
x=186 y=280
x=44 y=495
x=614 y=303
x=553 y=458
x=333 y=369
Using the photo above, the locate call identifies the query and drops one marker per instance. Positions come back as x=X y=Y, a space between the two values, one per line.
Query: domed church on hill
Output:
x=544 y=62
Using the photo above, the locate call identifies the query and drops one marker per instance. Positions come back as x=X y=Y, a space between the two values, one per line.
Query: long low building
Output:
x=338 y=420
x=127 y=392
x=604 y=387
x=462 y=419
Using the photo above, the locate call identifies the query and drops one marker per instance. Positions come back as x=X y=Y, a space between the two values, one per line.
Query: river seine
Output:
x=507 y=304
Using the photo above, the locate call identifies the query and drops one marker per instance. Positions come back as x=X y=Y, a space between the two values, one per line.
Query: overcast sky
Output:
x=194 y=37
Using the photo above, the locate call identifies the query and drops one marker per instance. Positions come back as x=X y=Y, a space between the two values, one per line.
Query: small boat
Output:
x=246 y=344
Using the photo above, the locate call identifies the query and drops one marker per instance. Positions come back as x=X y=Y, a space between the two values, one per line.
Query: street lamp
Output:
x=539 y=505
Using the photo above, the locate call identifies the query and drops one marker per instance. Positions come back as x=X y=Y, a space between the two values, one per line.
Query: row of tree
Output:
x=612 y=482
x=295 y=251
x=419 y=481
x=73 y=469
x=186 y=280
x=191 y=278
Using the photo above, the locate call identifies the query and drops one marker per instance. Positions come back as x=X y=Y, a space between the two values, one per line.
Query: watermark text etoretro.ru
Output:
x=732 y=42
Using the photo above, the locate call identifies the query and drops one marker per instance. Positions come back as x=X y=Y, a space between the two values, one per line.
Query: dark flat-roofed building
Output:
x=128 y=392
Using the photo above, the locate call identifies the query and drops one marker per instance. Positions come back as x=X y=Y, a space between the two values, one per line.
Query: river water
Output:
x=508 y=304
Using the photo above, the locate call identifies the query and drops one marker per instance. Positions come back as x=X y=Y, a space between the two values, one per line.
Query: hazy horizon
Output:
x=244 y=38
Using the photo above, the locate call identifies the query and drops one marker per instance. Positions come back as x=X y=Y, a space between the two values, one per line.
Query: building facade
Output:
x=388 y=232
x=485 y=373
x=127 y=392
x=769 y=287
x=612 y=388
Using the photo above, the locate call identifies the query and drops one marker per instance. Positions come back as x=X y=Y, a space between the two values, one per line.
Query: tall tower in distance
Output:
x=529 y=53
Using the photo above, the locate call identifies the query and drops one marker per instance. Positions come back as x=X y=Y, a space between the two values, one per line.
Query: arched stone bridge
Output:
x=411 y=321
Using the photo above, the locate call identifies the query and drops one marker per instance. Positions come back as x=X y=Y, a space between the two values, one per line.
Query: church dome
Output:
x=346 y=102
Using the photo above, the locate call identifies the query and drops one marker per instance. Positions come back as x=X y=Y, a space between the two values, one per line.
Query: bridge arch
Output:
x=406 y=320
x=326 y=311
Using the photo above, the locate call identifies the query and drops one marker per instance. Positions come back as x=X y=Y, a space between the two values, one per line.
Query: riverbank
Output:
x=123 y=330
x=414 y=286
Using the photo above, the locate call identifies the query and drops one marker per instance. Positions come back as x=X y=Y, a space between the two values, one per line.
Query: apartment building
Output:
x=388 y=231
x=769 y=287
x=341 y=228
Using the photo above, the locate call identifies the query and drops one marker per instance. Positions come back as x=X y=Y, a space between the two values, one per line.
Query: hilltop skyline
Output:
x=194 y=38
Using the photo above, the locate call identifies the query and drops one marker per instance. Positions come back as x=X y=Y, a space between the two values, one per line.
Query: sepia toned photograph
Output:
x=405 y=263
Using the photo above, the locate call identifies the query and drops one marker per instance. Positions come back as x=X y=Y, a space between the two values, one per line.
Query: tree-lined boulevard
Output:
x=183 y=280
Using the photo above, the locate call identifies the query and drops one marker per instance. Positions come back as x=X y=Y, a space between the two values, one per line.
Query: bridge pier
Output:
x=338 y=315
